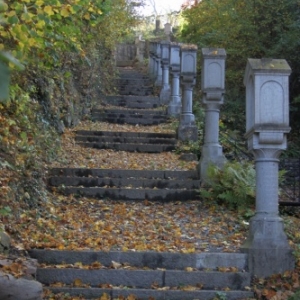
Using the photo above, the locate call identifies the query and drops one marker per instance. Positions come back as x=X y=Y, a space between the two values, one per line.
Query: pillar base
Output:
x=210 y=154
x=164 y=95
x=187 y=133
x=174 y=109
x=158 y=81
x=267 y=246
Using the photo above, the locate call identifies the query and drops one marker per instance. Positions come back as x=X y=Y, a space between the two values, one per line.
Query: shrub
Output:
x=233 y=185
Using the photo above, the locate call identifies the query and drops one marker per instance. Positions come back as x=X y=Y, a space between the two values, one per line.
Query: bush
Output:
x=233 y=185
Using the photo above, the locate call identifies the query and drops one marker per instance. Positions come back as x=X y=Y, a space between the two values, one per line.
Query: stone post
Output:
x=267 y=125
x=141 y=52
x=154 y=67
x=174 y=107
x=187 y=130
x=213 y=89
x=168 y=31
x=157 y=26
x=165 y=62
x=137 y=46
x=151 y=60
x=158 y=69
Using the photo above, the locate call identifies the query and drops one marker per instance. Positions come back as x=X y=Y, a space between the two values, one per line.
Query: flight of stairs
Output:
x=144 y=275
x=137 y=275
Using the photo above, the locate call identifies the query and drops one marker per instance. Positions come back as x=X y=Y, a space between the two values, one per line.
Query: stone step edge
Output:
x=99 y=133
x=132 y=97
x=132 y=194
x=146 y=278
x=127 y=141
x=122 y=182
x=151 y=259
x=130 y=147
x=121 y=173
x=145 y=294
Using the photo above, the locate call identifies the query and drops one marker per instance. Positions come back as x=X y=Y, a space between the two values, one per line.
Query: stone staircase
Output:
x=133 y=82
x=127 y=141
x=144 y=275
x=137 y=185
x=137 y=275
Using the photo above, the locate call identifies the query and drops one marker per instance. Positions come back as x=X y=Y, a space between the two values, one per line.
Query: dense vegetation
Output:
x=58 y=55
x=252 y=28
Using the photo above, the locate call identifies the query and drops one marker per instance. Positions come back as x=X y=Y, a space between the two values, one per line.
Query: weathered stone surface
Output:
x=4 y=242
x=267 y=107
x=188 y=156
x=12 y=288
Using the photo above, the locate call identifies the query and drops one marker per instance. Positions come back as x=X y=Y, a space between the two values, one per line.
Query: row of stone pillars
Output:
x=179 y=61
x=267 y=125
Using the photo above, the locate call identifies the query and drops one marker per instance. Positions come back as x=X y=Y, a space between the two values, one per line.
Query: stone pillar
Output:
x=187 y=130
x=157 y=26
x=158 y=69
x=165 y=62
x=168 y=31
x=137 y=46
x=213 y=89
x=154 y=67
x=267 y=125
x=141 y=52
x=151 y=60
x=174 y=107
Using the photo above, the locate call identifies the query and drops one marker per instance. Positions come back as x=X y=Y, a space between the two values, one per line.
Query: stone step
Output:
x=132 y=194
x=129 y=98
x=123 y=141
x=142 y=117
x=136 y=91
x=131 y=112
x=141 y=148
x=126 y=185
x=146 y=294
x=111 y=173
x=130 y=121
x=124 y=182
x=129 y=140
x=123 y=134
x=140 y=102
x=144 y=279
x=146 y=274
x=141 y=81
x=152 y=260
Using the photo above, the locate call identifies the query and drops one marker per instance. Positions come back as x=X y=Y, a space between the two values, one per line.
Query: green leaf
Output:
x=4 y=82
x=7 y=57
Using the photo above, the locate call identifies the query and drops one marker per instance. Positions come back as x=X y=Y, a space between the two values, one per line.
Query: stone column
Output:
x=267 y=125
x=213 y=89
x=151 y=60
x=187 y=130
x=165 y=62
x=174 y=107
x=158 y=69
x=168 y=31
x=141 y=53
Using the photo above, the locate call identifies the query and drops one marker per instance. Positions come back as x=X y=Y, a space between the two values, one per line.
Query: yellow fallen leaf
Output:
x=105 y=297
x=77 y=282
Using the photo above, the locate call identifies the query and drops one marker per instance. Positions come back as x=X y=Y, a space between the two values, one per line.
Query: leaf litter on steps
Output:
x=73 y=155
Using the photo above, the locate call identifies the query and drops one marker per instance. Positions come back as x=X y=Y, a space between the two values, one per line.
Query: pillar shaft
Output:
x=187 y=130
x=174 y=107
x=158 y=70
x=165 y=91
x=266 y=166
x=187 y=117
x=212 y=114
